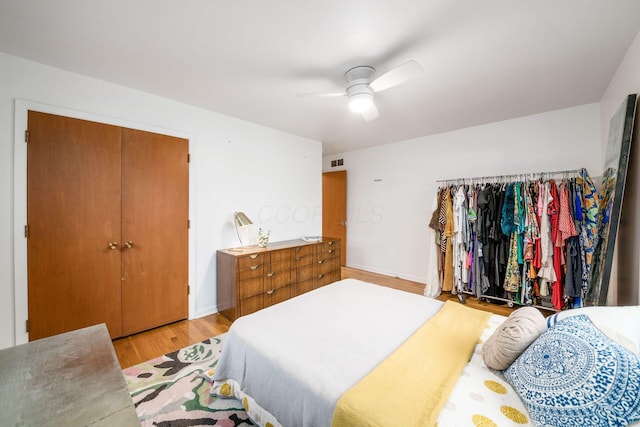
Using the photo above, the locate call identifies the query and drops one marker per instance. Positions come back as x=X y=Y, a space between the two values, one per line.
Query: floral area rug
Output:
x=171 y=391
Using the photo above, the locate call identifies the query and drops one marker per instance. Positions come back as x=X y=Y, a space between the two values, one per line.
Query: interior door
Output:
x=73 y=214
x=334 y=209
x=155 y=183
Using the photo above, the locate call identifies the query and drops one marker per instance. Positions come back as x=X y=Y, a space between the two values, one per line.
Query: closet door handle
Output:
x=112 y=245
x=128 y=244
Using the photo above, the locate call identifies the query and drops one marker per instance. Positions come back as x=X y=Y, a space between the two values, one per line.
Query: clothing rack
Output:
x=510 y=178
x=511 y=303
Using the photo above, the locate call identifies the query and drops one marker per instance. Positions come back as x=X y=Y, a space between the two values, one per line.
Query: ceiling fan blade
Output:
x=370 y=114
x=396 y=76
x=321 y=95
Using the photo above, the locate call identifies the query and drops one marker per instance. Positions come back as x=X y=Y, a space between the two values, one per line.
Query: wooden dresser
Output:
x=255 y=278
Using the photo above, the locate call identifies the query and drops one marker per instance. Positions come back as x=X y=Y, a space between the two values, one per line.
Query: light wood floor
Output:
x=146 y=345
x=140 y=347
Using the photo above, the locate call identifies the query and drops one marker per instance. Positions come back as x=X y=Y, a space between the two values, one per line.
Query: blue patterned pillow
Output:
x=574 y=375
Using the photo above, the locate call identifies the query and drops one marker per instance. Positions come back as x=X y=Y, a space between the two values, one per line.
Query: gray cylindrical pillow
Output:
x=511 y=338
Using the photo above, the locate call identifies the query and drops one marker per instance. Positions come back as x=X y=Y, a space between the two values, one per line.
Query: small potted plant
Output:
x=263 y=238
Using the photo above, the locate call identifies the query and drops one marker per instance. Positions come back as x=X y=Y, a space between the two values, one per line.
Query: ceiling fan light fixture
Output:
x=362 y=84
x=360 y=102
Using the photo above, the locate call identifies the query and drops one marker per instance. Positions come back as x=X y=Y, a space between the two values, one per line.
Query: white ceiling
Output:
x=484 y=61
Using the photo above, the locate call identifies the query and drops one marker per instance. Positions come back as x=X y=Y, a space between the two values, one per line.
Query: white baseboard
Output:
x=389 y=273
x=204 y=312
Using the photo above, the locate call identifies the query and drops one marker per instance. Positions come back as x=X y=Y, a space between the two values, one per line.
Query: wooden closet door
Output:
x=73 y=213
x=155 y=182
x=334 y=208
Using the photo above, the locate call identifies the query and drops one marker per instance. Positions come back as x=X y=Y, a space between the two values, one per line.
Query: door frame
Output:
x=20 y=283
x=344 y=235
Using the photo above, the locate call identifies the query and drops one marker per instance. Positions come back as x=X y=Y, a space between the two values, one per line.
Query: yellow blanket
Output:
x=410 y=387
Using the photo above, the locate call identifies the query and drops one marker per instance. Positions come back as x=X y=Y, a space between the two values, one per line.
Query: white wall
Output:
x=390 y=188
x=274 y=177
x=626 y=81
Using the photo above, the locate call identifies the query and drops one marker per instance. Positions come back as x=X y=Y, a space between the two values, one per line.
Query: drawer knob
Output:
x=321 y=261
x=254 y=256
x=271 y=274
x=331 y=251
x=255 y=267
x=299 y=248
x=299 y=258
x=271 y=292
x=330 y=243
x=320 y=276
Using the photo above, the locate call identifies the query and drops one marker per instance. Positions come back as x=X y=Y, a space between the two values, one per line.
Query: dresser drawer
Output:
x=330 y=244
x=329 y=253
x=250 y=287
x=277 y=295
x=322 y=258
x=329 y=265
x=280 y=255
x=251 y=305
x=277 y=279
x=305 y=272
x=250 y=272
x=302 y=255
x=325 y=278
x=305 y=286
x=247 y=261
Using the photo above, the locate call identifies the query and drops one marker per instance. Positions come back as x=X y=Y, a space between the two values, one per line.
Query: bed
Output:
x=294 y=363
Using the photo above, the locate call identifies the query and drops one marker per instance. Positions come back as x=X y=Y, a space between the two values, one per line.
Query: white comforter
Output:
x=297 y=358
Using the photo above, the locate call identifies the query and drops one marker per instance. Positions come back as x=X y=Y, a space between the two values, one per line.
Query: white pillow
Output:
x=621 y=324
x=512 y=337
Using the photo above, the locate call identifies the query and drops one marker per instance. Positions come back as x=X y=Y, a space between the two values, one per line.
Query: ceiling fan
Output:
x=362 y=84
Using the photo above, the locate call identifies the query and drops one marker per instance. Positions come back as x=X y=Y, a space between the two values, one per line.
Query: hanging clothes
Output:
x=531 y=229
x=478 y=285
x=486 y=247
x=558 y=260
x=513 y=276
x=567 y=236
x=432 y=287
x=590 y=202
x=447 y=283
x=573 y=277
x=528 y=241
x=460 y=226
x=566 y=226
x=546 y=271
x=531 y=237
x=509 y=226
x=442 y=222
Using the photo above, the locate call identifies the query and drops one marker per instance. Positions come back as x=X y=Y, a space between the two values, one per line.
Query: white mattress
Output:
x=297 y=358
